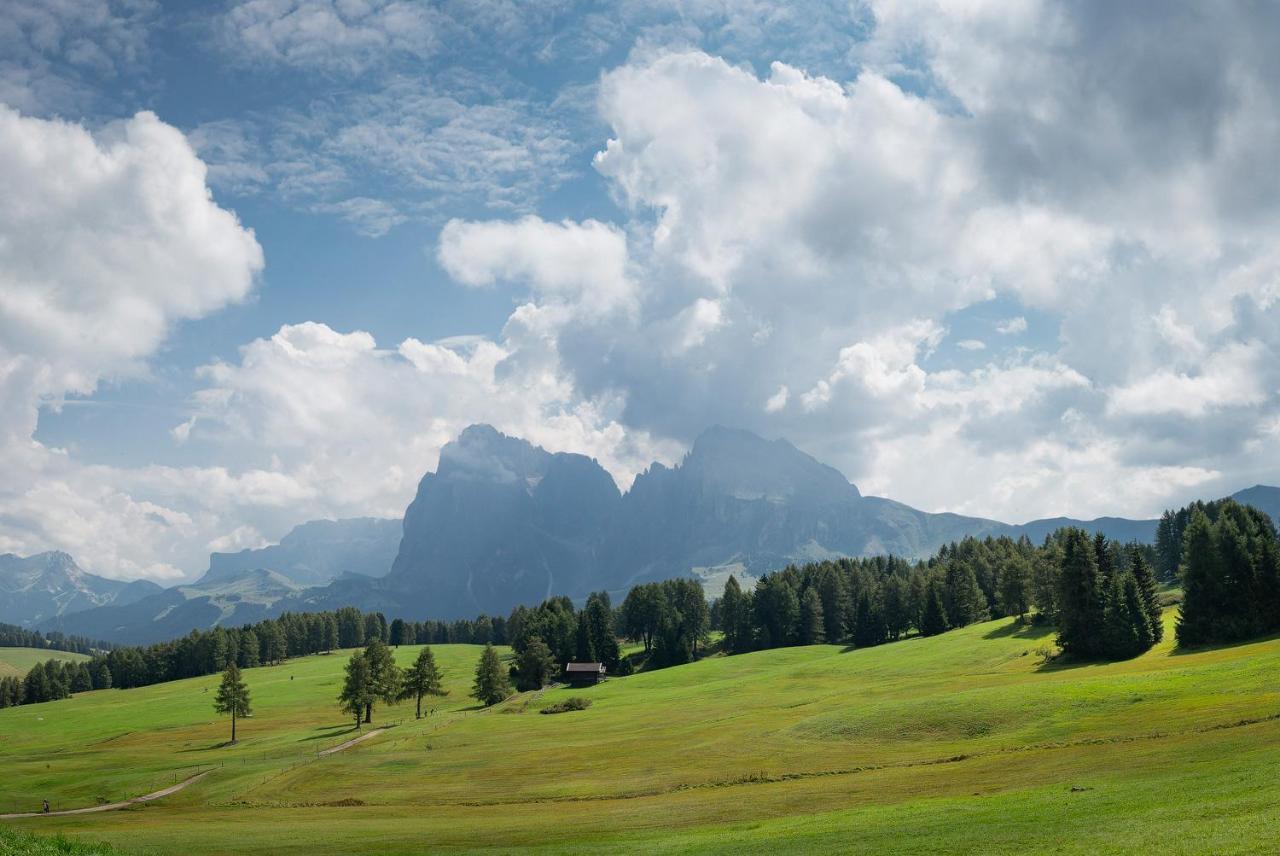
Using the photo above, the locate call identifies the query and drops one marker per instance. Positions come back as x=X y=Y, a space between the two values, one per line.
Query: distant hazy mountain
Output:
x=317 y=552
x=40 y=587
x=503 y=522
x=169 y=613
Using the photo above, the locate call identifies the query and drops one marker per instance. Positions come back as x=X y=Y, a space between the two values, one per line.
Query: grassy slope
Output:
x=953 y=744
x=18 y=661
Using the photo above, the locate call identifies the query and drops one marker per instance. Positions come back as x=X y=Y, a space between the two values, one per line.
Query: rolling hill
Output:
x=16 y=662
x=960 y=743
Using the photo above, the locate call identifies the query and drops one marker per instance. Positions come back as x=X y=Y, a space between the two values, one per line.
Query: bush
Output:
x=571 y=703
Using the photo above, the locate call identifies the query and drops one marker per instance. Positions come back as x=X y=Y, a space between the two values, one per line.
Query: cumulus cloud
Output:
x=116 y=240
x=354 y=426
x=835 y=226
x=583 y=263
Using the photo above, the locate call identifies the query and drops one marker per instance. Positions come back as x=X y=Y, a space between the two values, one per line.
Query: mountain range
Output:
x=502 y=522
x=40 y=588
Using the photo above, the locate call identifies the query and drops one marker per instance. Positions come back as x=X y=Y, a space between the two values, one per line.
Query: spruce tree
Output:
x=422 y=678
x=934 y=619
x=963 y=597
x=1168 y=548
x=584 y=651
x=357 y=688
x=232 y=697
x=1146 y=582
x=812 y=627
x=1201 y=571
x=491 y=684
x=1081 y=598
x=730 y=610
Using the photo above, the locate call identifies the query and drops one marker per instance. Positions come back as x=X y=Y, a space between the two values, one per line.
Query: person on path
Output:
x=46 y=807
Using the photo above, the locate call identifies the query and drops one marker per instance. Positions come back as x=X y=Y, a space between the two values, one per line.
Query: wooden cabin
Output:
x=584 y=674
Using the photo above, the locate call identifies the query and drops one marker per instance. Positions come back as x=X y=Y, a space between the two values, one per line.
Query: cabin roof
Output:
x=584 y=667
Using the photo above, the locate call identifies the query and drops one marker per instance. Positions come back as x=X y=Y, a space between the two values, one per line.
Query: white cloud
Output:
x=331 y=35
x=581 y=263
x=1012 y=326
x=116 y=240
x=971 y=345
x=1231 y=377
x=778 y=400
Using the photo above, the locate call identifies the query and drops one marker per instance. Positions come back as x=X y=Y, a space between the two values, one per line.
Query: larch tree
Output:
x=357 y=688
x=423 y=678
x=232 y=697
x=384 y=676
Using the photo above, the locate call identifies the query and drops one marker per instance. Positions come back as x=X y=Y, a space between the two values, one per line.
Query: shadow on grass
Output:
x=1180 y=650
x=1015 y=629
x=330 y=731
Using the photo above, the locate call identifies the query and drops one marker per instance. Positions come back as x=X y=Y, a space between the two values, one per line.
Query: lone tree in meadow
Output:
x=232 y=697
x=423 y=678
x=385 y=677
x=492 y=684
x=357 y=688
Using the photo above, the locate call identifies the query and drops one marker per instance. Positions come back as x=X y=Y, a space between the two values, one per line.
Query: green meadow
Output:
x=964 y=742
x=16 y=662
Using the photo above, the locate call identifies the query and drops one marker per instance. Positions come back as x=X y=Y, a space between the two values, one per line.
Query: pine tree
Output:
x=422 y=678
x=491 y=684
x=232 y=697
x=599 y=617
x=536 y=665
x=812 y=627
x=1146 y=583
x=934 y=619
x=357 y=688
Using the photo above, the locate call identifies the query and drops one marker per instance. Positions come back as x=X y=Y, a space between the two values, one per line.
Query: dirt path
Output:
x=353 y=741
x=155 y=795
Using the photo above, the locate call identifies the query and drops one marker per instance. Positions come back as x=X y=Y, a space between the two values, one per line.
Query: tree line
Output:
x=52 y=680
x=1102 y=596
x=13 y=636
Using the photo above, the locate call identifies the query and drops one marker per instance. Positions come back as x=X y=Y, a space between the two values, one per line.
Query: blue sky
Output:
x=1011 y=260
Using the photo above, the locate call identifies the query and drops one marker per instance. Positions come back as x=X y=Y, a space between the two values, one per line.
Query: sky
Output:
x=261 y=259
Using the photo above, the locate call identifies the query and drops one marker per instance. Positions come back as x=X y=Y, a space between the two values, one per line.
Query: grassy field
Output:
x=16 y=662
x=965 y=742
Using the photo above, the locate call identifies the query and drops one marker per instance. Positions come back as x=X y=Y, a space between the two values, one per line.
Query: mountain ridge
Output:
x=502 y=521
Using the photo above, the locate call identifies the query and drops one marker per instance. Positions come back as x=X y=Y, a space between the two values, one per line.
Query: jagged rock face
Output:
x=317 y=552
x=502 y=522
x=46 y=585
